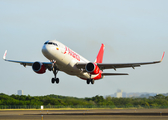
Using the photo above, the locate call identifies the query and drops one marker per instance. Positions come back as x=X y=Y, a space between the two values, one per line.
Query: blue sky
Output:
x=132 y=31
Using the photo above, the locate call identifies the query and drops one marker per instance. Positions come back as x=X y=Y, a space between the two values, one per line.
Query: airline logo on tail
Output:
x=99 y=58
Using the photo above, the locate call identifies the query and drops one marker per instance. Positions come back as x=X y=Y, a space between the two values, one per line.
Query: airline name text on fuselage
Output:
x=71 y=53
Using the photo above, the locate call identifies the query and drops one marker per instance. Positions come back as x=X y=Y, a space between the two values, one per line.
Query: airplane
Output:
x=62 y=58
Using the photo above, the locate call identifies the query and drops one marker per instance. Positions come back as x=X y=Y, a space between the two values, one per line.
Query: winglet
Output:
x=162 y=57
x=4 y=57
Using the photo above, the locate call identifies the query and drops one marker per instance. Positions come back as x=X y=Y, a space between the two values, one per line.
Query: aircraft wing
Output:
x=105 y=74
x=25 y=63
x=103 y=66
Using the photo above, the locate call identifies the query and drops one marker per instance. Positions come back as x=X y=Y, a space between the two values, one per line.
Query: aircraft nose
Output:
x=44 y=49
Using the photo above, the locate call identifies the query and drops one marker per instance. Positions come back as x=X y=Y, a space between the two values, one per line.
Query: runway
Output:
x=90 y=114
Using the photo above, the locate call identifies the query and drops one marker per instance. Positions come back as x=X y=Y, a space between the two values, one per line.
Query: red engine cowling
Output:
x=38 y=67
x=92 y=68
x=99 y=76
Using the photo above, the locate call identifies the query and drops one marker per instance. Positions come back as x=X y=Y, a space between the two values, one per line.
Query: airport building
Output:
x=119 y=94
x=20 y=92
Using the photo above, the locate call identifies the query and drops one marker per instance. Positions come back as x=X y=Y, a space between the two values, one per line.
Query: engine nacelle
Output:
x=92 y=68
x=99 y=76
x=38 y=67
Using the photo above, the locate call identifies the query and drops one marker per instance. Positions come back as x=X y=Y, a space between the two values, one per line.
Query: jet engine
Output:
x=38 y=67
x=92 y=68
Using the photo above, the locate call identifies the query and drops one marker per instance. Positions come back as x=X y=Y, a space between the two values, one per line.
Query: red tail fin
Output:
x=99 y=57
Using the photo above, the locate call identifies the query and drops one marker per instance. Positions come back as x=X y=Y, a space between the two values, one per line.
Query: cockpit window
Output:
x=46 y=42
x=54 y=44
x=51 y=43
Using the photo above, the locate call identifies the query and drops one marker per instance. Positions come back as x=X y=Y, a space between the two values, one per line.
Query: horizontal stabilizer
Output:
x=115 y=74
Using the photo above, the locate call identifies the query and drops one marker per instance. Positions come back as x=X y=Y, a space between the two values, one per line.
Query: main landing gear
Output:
x=53 y=80
x=90 y=80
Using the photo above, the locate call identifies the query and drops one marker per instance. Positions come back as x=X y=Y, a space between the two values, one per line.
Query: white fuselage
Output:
x=65 y=58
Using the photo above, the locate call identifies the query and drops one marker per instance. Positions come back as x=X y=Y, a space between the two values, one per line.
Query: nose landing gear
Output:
x=55 y=71
x=53 y=80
